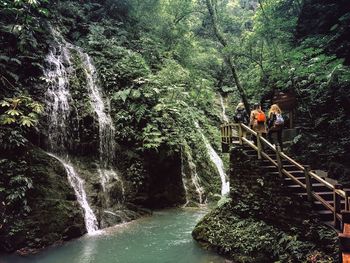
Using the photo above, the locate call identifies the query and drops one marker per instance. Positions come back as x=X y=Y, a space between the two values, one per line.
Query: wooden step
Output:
x=328 y=196
x=325 y=215
x=269 y=168
x=318 y=187
x=318 y=205
x=289 y=167
x=289 y=180
x=296 y=188
x=272 y=167
x=268 y=162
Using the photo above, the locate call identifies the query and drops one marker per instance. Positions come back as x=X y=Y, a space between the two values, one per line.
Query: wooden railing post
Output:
x=337 y=205
x=347 y=193
x=344 y=238
x=240 y=133
x=279 y=161
x=229 y=134
x=258 y=142
x=308 y=182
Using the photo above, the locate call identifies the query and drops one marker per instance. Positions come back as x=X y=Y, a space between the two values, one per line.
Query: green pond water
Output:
x=164 y=237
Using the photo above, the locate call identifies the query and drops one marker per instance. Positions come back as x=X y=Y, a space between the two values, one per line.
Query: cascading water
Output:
x=223 y=113
x=58 y=97
x=58 y=109
x=214 y=157
x=195 y=181
x=106 y=128
x=77 y=183
x=106 y=176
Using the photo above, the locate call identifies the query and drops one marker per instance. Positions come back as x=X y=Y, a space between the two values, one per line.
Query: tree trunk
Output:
x=227 y=58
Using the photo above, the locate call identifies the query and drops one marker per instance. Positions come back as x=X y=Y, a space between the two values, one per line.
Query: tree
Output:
x=228 y=59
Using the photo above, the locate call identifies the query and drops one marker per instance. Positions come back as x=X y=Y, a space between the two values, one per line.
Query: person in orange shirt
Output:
x=258 y=121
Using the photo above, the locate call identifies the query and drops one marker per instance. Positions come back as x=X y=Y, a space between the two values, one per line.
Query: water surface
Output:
x=164 y=237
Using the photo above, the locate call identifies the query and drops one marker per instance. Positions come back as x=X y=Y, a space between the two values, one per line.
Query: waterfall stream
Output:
x=106 y=128
x=215 y=158
x=58 y=108
x=191 y=180
x=58 y=96
x=223 y=113
x=78 y=186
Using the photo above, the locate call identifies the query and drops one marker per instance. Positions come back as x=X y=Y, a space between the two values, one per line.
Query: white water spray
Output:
x=215 y=158
x=58 y=96
x=78 y=186
x=106 y=128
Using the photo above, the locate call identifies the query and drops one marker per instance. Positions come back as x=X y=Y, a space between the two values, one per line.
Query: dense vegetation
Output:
x=161 y=64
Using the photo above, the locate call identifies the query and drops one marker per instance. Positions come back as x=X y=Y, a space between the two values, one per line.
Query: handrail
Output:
x=322 y=181
x=283 y=155
x=226 y=131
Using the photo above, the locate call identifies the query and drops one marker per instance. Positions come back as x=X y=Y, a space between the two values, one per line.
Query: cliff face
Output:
x=110 y=71
x=262 y=221
x=330 y=19
x=52 y=214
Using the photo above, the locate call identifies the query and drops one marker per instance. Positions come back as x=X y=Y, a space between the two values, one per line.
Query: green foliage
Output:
x=21 y=110
x=14 y=185
x=17 y=116
x=253 y=240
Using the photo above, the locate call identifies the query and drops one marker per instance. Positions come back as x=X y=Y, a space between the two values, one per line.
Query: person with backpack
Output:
x=275 y=124
x=241 y=115
x=258 y=121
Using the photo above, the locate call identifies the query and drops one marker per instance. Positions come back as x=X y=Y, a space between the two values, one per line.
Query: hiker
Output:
x=258 y=121
x=275 y=124
x=241 y=115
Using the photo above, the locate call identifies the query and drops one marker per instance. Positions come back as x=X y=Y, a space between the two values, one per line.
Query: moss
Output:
x=53 y=208
x=262 y=221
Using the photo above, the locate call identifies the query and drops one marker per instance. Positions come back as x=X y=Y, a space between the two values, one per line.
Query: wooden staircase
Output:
x=329 y=200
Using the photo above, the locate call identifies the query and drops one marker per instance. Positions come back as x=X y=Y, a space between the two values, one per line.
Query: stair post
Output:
x=347 y=193
x=279 y=161
x=308 y=183
x=258 y=142
x=337 y=205
x=240 y=134
x=229 y=134
x=344 y=238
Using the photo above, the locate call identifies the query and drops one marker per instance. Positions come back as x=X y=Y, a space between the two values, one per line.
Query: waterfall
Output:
x=184 y=180
x=106 y=128
x=58 y=109
x=223 y=113
x=108 y=175
x=195 y=180
x=58 y=97
x=78 y=186
x=215 y=158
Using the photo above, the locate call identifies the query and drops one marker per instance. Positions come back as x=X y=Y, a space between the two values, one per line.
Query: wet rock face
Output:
x=257 y=222
x=165 y=187
x=55 y=214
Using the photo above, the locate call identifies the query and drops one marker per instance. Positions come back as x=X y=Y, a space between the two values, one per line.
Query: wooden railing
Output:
x=232 y=133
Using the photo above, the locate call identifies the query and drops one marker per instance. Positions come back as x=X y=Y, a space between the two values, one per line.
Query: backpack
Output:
x=239 y=117
x=279 y=120
x=261 y=118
